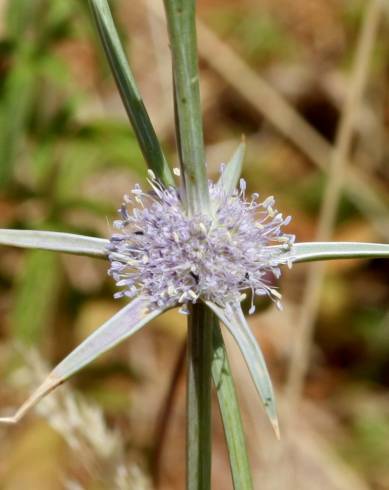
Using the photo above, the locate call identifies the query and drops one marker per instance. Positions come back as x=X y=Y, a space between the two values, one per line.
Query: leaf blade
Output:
x=229 y=409
x=55 y=241
x=236 y=323
x=232 y=172
x=129 y=92
x=310 y=251
x=113 y=331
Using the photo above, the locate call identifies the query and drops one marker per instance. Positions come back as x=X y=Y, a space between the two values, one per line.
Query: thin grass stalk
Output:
x=165 y=413
x=337 y=171
x=199 y=439
x=366 y=195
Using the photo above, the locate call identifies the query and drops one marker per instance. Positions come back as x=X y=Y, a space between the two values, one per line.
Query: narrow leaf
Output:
x=55 y=241
x=231 y=174
x=126 y=322
x=129 y=92
x=233 y=318
x=230 y=412
x=309 y=251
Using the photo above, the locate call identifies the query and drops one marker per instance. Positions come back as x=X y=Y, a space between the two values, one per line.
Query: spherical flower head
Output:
x=172 y=258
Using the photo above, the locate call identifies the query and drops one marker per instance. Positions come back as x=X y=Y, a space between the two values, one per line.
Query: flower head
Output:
x=173 y=258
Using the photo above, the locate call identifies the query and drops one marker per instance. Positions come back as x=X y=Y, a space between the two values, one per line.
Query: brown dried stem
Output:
x=337 y=172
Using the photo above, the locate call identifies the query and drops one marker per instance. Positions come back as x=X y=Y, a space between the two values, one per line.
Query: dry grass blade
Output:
x=101 y=451
x=337 y=174
x=267 y=101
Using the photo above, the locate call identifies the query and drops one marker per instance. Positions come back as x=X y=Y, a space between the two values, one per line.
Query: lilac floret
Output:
x=172 y=258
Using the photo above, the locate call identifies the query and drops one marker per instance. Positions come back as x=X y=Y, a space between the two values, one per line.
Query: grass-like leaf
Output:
x=232 y=172
x=126 y=322
x=129 y=92
x=55 y=241
x=309 y=251
x=230 y=412
x=233 y=318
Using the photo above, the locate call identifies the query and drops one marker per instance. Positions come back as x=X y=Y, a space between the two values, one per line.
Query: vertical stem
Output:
x=199 y=398
x=189 y=132
x=182 y=32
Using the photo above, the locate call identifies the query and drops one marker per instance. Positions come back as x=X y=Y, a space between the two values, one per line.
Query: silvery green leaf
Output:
x=233 y=318
x=126 y=322
x=231 y=174
x=129 y=92
x=309 y=251
x=55 y=241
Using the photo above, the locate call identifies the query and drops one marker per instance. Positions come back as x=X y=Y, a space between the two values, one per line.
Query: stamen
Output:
x=172 y=258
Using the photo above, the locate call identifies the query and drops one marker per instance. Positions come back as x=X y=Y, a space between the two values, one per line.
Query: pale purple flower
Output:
x=172 y=258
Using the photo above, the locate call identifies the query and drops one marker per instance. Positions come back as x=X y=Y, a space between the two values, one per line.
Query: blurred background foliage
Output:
x=67 y=155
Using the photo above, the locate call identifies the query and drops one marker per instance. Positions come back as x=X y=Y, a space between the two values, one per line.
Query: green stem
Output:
x=229 y=410
x=182 y=32
x=199 y=398
x=189 y=133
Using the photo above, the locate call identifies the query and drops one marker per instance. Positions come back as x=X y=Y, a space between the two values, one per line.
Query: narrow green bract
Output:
x=307 y=252
x=129 y=92
x=55 y=241
x=229 y=409
x=233 y=318
x=230 y=176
